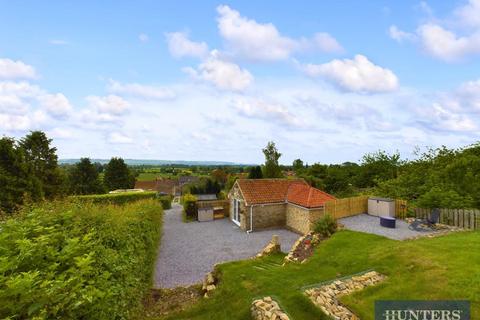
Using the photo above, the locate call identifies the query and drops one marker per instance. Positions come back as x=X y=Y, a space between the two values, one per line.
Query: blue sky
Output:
x=328 y=81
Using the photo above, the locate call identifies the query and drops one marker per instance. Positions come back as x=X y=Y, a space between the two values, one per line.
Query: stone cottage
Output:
x=268 y=203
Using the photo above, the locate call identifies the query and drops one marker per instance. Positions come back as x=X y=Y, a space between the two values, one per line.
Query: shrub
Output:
x=78 y=261
x=190 y=206
x=116 y=198
x=166 y=201
x=326 y=226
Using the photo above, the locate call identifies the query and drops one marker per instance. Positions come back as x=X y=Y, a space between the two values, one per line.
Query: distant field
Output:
x=147 y=176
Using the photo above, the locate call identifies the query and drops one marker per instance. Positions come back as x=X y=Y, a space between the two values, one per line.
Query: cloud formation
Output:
x=357 y=75
x=223 y=74
x=10 y=69
x=140 y=90
x=452 y=39
x=261 y=109
x=180 y=46
x=250 y=39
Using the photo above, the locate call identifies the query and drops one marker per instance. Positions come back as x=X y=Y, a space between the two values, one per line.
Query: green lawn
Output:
x=430 y=268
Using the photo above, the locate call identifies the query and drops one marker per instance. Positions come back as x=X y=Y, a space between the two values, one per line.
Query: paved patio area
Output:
x=371 y=224
x=189 y=250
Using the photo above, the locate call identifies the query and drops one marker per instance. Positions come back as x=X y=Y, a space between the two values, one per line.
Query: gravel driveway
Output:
x=371 y=224
x=189 y=250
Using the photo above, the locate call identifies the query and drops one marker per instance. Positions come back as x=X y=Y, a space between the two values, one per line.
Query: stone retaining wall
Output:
x=267 y=309
x=272 y=247
x=326 y=296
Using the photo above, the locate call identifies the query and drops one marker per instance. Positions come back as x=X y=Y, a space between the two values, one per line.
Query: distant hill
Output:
x=139 y=162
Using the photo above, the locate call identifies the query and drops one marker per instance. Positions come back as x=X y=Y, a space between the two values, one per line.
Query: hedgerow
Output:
x=117 y=198
x=78 y=261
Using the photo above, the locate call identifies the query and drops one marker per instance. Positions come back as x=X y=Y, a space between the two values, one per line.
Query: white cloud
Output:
x=451 y=39
x=11 y=122
x=111 y=104
x=180 y=45
x=261 y=109
x=262 y=41
x=60 y=133
x=357 y=75
x=445 y=44
x=223 y=74
x=469 y=14
x=56 y=104
x=396 y=34
x=12 y=104
x=326 y=43
x=143 y=37
x=140 y=90
x=21 y=89
x=10 y=69
x=119 y=138
x=468 y=95
x=441 y=118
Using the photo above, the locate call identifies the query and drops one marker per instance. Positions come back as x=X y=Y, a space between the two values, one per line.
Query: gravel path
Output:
x=189 y=250
x=371 y=224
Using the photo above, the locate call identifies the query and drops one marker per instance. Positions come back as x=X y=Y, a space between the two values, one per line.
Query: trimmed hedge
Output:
x=117 y=198
x=78 y=260
x=166 y=202
x=189 y=202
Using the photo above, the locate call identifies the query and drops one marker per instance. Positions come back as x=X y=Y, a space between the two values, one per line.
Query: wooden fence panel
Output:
x=347 y=207
x=400 y=208
x=462 y=218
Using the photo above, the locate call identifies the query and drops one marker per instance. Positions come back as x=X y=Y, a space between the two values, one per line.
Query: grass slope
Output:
x=431 y=268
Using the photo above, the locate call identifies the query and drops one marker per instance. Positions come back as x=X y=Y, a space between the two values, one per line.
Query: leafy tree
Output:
x=219 y=175
x=84 y=179
x=378 y=166
x=297 y=165
x=255 y=173
x=117 y=175
x=16 y=185
x=42 y=160
x=271 y=168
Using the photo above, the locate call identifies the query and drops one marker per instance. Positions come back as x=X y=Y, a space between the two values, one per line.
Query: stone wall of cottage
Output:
x=236 y=194
x=266 y=216
x=297 y=219
x=300 y=219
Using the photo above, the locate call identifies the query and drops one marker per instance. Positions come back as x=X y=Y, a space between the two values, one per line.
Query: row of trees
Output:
x=29 y=171
x=448 y=178
x=84 y=177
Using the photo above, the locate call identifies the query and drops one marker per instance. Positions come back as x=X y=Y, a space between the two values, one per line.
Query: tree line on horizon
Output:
x=29 y=172
x=442 y=177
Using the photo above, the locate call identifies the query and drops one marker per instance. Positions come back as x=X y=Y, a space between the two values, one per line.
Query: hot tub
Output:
x=387 y=222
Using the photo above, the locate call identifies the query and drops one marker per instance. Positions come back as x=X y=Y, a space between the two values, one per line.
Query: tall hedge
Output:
x=72 y=261
x=190 y=205
x=116 y=198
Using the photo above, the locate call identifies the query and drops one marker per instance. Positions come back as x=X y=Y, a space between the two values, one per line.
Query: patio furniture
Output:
x=388 y=222
x=434 y=216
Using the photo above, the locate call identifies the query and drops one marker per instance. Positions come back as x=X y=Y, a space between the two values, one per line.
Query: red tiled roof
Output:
x=307 y=196
x=257 y=191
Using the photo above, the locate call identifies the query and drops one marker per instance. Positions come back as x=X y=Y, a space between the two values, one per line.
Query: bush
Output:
x=166 y=201
x=190 y=206
x=117 y=198
x=326 y=226
x=71 y=261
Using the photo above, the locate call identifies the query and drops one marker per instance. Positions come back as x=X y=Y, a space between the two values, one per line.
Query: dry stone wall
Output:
x=272 y=247
x=267 y=309
x=326 y=296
